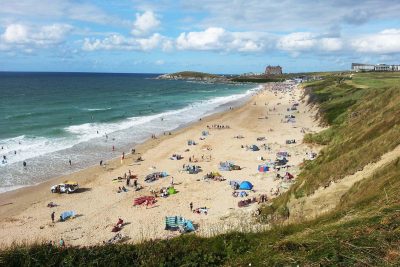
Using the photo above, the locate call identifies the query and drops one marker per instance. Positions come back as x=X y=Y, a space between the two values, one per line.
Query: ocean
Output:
x=47 y=119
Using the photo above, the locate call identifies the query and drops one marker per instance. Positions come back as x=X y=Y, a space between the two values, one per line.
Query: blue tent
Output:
x=245 y=185
x=254 y=148
x=67 y=214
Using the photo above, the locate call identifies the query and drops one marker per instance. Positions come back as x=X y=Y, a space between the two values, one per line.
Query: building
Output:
x=377 y=67
x=273 y=70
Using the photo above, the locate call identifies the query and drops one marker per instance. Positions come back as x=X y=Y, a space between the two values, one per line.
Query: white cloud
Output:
x=290 y=15
x=331 y=44
x=145 y=23
x=61 y=9
x=384 y=42
x=218 y=39
x=120 y=42
x=43 y=36
x=307 y=41
x=298 y=41
x=15 y=33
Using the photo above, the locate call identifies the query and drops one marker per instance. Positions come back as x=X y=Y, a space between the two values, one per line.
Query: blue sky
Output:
x=219 y=36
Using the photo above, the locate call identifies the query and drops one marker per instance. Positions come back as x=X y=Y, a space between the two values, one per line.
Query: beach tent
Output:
x=178 y=222
x=254 y=148
x=245 y=185
x=263 y=168
x=171 y=190
x=188 y=226
x=67 y=214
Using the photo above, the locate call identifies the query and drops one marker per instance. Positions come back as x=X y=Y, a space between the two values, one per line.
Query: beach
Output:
x=25 y=217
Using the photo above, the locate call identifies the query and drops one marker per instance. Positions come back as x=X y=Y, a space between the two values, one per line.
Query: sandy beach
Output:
x=25 y=217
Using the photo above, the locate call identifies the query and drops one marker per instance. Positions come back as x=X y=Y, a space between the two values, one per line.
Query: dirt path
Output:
x=326 y=199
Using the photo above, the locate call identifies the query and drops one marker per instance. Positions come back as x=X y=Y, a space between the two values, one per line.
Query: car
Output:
x=66 y=187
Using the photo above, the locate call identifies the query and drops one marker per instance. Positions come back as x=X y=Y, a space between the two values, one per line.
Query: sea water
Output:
x=47 y=119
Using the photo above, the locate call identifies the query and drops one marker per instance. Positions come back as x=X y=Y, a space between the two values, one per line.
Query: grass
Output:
x=194 y=74
x=363 y=230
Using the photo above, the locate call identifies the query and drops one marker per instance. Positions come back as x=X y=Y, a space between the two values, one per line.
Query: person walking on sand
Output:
x=52 y=216
x=122 y=159
x=191 y=206
x=172 y=180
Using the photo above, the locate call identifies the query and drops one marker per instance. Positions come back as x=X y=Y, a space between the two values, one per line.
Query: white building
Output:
x=378 y=67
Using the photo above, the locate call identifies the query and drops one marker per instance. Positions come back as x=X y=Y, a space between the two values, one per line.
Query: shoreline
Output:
x=219 y=109
x=140 y=148
x=99 y=205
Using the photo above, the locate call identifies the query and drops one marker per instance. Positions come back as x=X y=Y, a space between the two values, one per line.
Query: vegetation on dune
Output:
x=363 y=230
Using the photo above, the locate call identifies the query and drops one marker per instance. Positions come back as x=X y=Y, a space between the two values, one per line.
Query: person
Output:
x=52 y=216
x=62 y=243
x=101 y=162
x=70 y=162
x=128 y=180
x=15 y=152
x=191 y=206
x=172 y=180
x=113 y=148
x=123 y=155
x=24 y=163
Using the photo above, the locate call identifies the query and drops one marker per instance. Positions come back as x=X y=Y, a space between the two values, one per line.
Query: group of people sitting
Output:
x=122 y=189
x=287 y=176
x=176 y=157
x=202 y=210
x=218 y=126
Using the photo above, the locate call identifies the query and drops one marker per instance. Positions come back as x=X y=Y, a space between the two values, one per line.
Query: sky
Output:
x=217 y=36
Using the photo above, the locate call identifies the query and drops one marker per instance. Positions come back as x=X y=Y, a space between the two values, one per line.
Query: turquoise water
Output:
x=47 y=119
